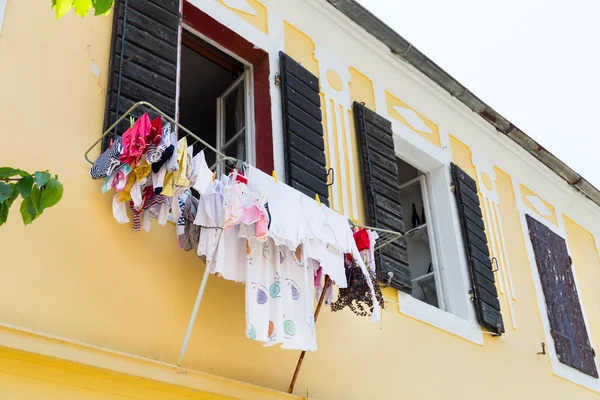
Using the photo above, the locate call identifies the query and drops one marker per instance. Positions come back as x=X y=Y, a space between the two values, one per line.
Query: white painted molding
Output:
x=2 y=9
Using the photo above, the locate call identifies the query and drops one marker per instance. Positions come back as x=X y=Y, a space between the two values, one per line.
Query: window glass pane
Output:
x=237 y=149
x=235 y=112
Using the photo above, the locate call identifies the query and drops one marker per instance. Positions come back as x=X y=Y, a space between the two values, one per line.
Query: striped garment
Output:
x=108 y=162
x=153 y=152
x=149 y=201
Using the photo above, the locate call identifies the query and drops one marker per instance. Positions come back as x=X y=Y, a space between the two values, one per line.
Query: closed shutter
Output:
x=382 y=193
x=150 y=29
x=303 y=130
x=567 y=325
x=484 y=292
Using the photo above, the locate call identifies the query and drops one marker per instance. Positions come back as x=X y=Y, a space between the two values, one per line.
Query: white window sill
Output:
x=440 y=319
x=571 y=374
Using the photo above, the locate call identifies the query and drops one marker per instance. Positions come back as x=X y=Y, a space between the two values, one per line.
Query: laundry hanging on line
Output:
x=246 y=226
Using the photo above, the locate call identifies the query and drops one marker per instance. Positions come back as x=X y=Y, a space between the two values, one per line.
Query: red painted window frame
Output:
x=259 y=59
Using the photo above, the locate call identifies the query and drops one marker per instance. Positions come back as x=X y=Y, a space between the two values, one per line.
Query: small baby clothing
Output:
x=134 y=140
x=362 y=239
x=284 y=208
x=154 y=151
x=279 y=296
x=109 y=161
x=172 y=164
x=201 y=175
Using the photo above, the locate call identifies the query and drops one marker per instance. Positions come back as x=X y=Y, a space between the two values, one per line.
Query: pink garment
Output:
x=120 y=179
x=253 y=211
x=234 y=210
x=318 y=276
x=262 y=228
x=134 y=141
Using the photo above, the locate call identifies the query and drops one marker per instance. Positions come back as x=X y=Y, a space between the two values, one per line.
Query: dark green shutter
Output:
x=150 y=29
x=567 y=325
x=382 y=193
x=303 y=130
x=484 y=292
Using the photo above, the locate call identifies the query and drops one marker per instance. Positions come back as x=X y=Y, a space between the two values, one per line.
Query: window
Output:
x=214 y=98
x=441 y=267
x=567 y=325
x=415 y=198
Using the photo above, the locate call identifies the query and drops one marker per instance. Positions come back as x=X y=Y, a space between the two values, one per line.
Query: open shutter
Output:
x=303 y=131
x=567 y=325
x=484 y=292
x=382 y=193
x=146 y=33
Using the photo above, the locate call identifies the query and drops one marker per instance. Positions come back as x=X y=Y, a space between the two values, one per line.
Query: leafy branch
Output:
x=82 y=7
x=39 y=191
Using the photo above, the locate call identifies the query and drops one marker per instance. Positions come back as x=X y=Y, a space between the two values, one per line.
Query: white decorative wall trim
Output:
x=2 y=9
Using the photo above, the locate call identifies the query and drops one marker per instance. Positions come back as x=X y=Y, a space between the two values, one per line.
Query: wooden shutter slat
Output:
x=171 y=6
x=151 y=25
x=389 y=206
x=306 y=92
x=147 y=41
x=150 y=79
x=292 y=67
x=152 y=62
x=153 y=11
x=312 y=182
x=303 y=130
x=304 y=118
x=133 y=89
x=382 y=193
x=305 y=133
x=381 y=162
x=567 y=325
x=307 y=150
x=483 y=282
x=485 y=295
x=305 y=105
x=379 y=122
x=310 y=165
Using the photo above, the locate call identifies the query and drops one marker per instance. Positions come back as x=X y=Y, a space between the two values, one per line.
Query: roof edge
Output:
x=403 y=48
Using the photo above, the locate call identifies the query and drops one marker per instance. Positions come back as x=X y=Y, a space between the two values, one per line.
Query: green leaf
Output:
x=27 y=205
x=82 y=7
x=52 y=193
x=8 y=172
x=5 y=206
x=61 y=7
x=102 y=7
x=36 y=200
x=24 y=185
x=6 y=191
x=41 y=178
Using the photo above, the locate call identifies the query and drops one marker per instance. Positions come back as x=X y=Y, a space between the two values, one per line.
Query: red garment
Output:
x=155 y=134
x=134 y=141
x=362 y=239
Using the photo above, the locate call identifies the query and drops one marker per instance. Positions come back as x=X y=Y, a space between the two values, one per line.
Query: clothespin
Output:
x=214 y=176
x=131 y=121
x=274 y=174
x=317 y=199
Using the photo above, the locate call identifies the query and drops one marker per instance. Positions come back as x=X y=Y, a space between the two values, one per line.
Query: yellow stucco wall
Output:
x=83 y=277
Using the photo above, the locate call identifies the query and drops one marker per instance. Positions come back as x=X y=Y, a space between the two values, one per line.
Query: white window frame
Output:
x=456 y=314
x=248 y=80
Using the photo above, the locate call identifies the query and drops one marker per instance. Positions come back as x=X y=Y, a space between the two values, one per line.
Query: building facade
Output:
x=492 y=291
